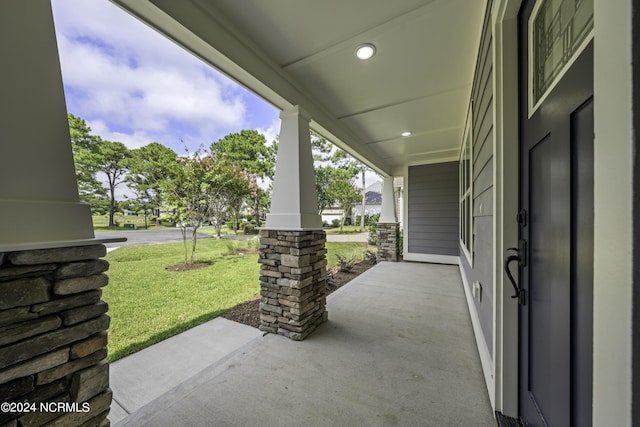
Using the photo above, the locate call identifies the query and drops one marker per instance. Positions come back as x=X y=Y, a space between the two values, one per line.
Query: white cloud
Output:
x=271 y=132
x=134 y=86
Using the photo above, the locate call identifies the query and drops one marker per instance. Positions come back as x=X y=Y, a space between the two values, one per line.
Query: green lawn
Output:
x=347 y=229
x=101 y=222
x=148 y=304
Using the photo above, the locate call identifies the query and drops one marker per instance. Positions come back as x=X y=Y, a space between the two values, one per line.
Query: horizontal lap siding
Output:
x=481 y=270
x=433 y=209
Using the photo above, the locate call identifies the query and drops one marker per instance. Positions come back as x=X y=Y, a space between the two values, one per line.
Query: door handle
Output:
x=519 y=293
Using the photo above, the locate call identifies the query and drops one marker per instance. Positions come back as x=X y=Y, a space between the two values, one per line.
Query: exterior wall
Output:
x=432 y=226
x=53 y=339
x=479 y=269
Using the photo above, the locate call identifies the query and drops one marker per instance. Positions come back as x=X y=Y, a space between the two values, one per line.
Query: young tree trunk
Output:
x=112 y=206
x=194 y=240
x=257 y=203
x=183 y=230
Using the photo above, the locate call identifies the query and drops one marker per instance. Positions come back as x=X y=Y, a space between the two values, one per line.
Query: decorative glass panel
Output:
x=557 y=29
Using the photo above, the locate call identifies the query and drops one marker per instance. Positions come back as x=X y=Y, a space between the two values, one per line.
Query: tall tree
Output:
x=248 y=149
x=149 y=167
x=90 y=188
x=111 y=159
x=323 y=177
x=80 y=133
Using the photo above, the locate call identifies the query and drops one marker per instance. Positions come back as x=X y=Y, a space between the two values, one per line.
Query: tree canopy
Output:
x=248 y=150
x=149 y=167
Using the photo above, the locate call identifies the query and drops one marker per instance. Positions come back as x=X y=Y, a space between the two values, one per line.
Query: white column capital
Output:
x=388 y=213
x=294 y=202
x=295 y=111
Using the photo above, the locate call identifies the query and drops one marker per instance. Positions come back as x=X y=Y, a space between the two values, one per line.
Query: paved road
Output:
x=152 y=237
x=168 y=235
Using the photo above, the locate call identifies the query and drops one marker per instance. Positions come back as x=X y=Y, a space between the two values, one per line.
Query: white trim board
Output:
x=483 y=349
x=436 y=259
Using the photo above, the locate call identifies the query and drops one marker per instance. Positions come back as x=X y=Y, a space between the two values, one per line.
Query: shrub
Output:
x=335 y=223
x=373 y=229
x=230 y=246
x=346 y=262
x=249 y=229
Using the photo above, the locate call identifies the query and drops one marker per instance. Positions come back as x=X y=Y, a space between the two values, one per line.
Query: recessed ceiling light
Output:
x=407 y=133
x=365 y=51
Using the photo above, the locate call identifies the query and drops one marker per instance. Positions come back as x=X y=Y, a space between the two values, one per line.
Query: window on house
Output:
x=558 y=31
x=466 y=193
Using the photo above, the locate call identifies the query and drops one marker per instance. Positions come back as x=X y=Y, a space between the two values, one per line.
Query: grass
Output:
x=347 y=229
x=101 y=222
x=148 y=304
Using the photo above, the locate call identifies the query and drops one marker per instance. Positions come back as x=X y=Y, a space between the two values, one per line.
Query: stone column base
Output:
x=292 y=282
x=53 y=339
x=388 y=242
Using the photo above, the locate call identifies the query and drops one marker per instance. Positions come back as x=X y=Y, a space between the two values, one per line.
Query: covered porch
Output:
x=398 y=349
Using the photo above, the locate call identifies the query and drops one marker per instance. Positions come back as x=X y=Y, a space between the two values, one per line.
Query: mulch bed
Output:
x=188 y=267
x=248 y=312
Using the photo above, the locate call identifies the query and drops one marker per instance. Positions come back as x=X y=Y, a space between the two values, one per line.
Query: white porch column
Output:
x=388 y=227
x=294 y=203
x=388 y=213
x=292 y=244
x=50 y=293
x=39 y=204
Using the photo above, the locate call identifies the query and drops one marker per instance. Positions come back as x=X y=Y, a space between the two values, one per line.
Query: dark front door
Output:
x=556 y=196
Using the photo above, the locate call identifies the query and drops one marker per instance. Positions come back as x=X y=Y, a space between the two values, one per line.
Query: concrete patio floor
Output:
x=398 y=350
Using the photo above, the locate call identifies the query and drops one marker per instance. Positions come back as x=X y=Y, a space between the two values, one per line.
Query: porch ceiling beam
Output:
x=198 y=27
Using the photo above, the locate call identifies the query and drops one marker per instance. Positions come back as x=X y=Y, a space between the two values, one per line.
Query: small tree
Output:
x=345 y=193
x=227 y=187
x=187 y=194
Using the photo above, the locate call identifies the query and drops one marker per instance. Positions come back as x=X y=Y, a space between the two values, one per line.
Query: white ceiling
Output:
x=302 y=52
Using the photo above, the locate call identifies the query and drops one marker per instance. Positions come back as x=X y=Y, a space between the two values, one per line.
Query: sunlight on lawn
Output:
x=148 y=304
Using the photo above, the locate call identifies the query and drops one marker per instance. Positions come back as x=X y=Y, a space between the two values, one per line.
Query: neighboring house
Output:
x=531 y=164
x=373 y=205
x=373 y=198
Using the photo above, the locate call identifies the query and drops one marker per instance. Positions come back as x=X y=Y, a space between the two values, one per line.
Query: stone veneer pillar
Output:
x=388 y=229
x=53 y=339
x=388 y=242
x=292 y=282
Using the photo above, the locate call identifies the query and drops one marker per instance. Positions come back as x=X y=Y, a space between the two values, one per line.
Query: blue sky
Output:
x=132 y=85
